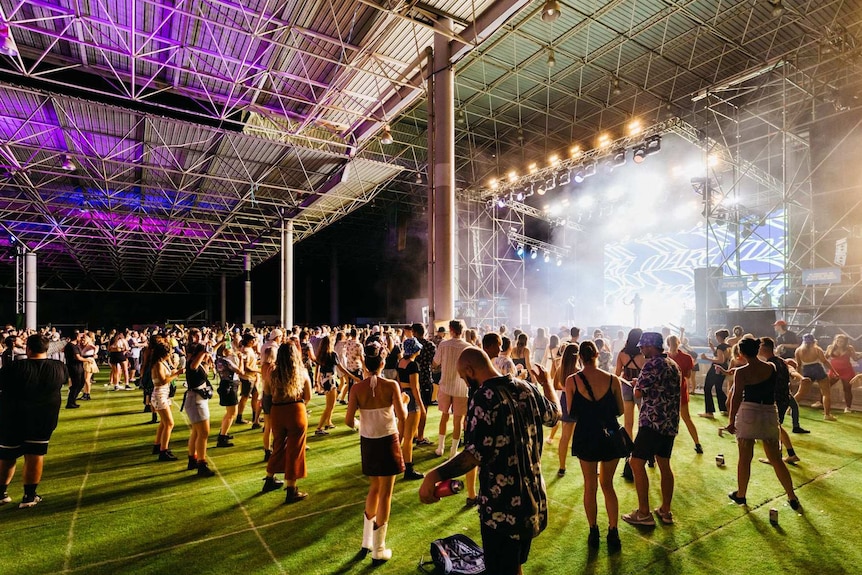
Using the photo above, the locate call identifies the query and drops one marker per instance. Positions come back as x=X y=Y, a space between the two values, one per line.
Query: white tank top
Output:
x=379 y=422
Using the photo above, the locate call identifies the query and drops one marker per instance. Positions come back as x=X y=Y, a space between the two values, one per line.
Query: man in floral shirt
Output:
x=659 y=387
x=504 y=439
x=426 y=380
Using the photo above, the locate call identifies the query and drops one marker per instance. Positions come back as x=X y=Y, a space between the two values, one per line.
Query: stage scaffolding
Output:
x=757 y=144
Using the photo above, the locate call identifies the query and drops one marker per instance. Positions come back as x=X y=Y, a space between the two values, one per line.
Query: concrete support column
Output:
x=442 y=214
x=30 y=290
x=223 y=300
x=286 y=273
x=333 y=288
x=246 y=318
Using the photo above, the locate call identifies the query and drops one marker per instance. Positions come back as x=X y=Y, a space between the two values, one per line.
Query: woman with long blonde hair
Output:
x=291 y=391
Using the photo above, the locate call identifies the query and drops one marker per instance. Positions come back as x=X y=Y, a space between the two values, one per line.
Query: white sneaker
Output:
x=848 y=410
x=438 y=452
x=817 y=404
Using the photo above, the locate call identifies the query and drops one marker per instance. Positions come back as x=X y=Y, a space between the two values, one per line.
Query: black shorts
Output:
x=13 y=452
x=116 y=357
x=227 y=393
x=245 y=387
x=504 y=555
x=649 y=443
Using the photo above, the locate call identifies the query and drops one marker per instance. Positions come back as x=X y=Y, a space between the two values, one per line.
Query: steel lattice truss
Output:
x=196 y=125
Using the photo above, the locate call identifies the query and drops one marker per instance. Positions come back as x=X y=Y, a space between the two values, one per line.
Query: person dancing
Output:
x=753 y=416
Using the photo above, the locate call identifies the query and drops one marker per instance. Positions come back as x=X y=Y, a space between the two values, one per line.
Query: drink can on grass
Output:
x=773 y=516
x=719 y=460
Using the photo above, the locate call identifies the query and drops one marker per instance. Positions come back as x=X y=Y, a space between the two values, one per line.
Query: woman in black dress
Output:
x=595 y=396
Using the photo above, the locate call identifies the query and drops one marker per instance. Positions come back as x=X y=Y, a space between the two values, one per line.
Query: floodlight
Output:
x=551 y=11
x=7 y=42
x=534 y=253
x=386 y=136
x=520 y=250
x=68 y=165
x=639 y=153
x=547 y=256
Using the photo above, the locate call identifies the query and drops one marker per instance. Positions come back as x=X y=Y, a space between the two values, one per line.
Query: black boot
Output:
x=154 y=418
x=410 y=474
x=267 y=453
x=271 y=484
x=204 y=469
x=193 y=463
x=224 y=441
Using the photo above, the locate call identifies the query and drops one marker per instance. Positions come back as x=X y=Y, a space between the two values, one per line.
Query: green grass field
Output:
x=110 y=507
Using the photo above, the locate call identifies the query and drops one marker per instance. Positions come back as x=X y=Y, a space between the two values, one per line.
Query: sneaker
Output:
x=736 y=498
x=423 y=441
x=5 y=499
x=635 y=518
x=129 y=388
x=800 y=430
x=698 y=448
x=438 y=452
x=342 y=402
x=117 y=388
x=255 y=425
x=73 y=406
x=561 y=473
x=330 y=426
x=791 y=459
x=666 y=518
x=848 y=410
x=764 y=460
x=724 y=413
x=34 y=501
x=817 y=404
x=707 y=415
x=471 y=502
x=829 y=417
x=321 y=432
x=271 y=484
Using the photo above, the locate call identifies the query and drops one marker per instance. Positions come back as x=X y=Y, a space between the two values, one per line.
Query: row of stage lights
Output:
x=562 y=175
x=522 y=250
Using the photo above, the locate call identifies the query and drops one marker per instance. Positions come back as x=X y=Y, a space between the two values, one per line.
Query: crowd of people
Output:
x=497 y=390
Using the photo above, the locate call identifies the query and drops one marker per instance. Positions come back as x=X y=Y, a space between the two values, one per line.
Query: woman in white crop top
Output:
x=381 y=402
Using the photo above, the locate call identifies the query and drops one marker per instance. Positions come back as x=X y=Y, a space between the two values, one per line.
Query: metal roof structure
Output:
x=194 y=126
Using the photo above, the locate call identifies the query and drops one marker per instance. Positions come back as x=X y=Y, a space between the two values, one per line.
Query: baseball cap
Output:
x=808 y=338
x=274 y=334
x=411 y=346
x=651 y=339
x=375 y=329
x=781 y=323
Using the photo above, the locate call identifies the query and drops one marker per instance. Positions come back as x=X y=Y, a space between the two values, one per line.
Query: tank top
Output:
x=377 y=422
x=631 y=371
x=763 y=392
x=405 y=372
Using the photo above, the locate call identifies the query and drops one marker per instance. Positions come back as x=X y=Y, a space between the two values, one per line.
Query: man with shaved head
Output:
x=504 y=439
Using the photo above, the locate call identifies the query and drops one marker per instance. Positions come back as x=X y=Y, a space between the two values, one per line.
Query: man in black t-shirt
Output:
x=75 y=366
x=786 y=341
x=29 y=410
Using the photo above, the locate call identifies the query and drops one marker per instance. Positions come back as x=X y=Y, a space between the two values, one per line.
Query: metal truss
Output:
x=758 y=134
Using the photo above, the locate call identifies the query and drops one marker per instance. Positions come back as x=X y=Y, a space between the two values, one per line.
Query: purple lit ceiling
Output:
x=194 y=124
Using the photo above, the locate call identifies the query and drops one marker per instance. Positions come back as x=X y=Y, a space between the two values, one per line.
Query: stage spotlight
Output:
x=653 y=145
x=639 y=153
x=534 y=253
x=513 y=176
x=520 y=250
x=68 y=165
x=386 y=136
x=604 y=140
x=635 y=127
x=575 y=151
x=493 y=183
x=520 y=196
x=590 y=169
x=551 y=11
x=580 y=175
x=533 y=168
x=501 y=202
x=619 y=158
x=565 y=178
x=547 y=257
x=554 y=160
x=559 y=261
x=550 y=183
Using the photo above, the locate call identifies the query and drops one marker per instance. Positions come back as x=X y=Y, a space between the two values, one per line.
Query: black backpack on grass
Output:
x=456 y=555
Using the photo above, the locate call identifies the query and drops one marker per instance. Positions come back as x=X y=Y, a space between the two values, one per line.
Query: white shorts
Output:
x=446 y=402
x=159 y=400
x=196 y=407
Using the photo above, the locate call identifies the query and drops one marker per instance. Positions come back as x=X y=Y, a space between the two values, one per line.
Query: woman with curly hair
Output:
x=163 y=373
x=291 y=391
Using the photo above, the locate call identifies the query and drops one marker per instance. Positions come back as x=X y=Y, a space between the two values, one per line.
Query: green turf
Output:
x=111 y=508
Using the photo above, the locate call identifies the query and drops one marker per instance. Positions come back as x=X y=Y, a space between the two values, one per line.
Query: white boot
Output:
x=379 y=552
x=367 y=533
x=454 y=451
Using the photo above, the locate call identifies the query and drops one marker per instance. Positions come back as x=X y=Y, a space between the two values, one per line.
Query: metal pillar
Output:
x=286 y=273
x=441 y=277
x=223 y=302
x=30 y=290
x=247 y=267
